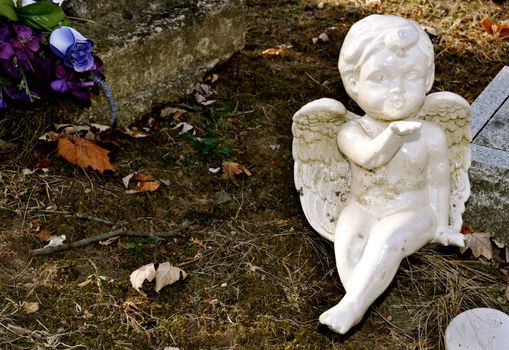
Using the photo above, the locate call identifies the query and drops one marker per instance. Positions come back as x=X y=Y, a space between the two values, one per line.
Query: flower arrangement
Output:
x=42 y=55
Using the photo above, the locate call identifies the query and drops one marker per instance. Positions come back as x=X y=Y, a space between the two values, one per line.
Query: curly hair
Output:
x=375 y=32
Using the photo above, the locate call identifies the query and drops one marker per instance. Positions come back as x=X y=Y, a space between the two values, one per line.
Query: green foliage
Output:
x=209 y=147
x=43 y=15
x=138 y=246
x=7 y=10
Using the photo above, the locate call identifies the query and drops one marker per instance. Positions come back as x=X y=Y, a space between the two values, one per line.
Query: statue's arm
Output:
x=371 y=153
x=439 y=177
x=439 y=190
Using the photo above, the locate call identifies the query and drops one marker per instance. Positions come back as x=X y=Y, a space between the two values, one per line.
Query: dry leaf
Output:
x=498 y=29
x=84 y=153
x=50 y=136
x=55 y=241
x=164 y=274
x=134 y=133
x=29 y=307
x=176 y=112
x=145 y=186
x=185 y=128
x=168 y=274
x=44 y=235
x=212 y=78
x=230 y=169
x=146 y=183
x=479 y=243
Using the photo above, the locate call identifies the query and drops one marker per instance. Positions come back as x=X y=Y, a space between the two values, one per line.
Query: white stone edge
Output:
x=483 y=107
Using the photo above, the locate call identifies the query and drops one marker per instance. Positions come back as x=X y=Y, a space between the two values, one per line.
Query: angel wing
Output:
x=321 y=172
x=452 y=113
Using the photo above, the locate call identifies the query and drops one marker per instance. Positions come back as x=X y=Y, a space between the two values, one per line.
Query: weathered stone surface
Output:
x=488 y=205
x=495 y=133
x=155 y=52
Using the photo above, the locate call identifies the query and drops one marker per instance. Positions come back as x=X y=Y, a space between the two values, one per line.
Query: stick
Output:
x=95 y=218
x=105 y=235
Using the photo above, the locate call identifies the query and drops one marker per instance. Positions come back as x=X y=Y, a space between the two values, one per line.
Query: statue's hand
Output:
x=404 y=127
x=447 y=236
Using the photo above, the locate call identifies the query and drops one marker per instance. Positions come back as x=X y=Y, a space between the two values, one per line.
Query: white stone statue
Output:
x=382 y=185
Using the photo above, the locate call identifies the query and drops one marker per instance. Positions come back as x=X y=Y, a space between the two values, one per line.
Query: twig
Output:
x=105 y=235
x=95 y=218
x=189 y=262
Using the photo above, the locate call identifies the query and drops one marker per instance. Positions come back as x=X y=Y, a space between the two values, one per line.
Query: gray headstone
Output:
x=478 y=329
x=489 y=175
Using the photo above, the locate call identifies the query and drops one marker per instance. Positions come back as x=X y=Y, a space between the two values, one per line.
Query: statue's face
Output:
x=392 y=85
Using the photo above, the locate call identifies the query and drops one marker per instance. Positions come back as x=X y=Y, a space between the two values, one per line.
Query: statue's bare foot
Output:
x=343 y=316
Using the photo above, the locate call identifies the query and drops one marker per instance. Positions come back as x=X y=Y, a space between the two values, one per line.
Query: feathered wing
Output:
x=321 y=172
x=452 y=113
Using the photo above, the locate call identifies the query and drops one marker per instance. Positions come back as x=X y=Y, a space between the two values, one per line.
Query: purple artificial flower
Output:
x=26 y=39
x=2 y=104
x=76 y=50
x=16 y=94
x=23 y=46
x=68 y=80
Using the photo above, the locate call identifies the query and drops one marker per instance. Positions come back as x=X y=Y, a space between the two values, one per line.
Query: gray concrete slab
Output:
x=156 y=51
x=488 y=207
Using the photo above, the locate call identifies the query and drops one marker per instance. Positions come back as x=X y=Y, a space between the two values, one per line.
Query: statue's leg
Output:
x=391 y=239
x=352 y=231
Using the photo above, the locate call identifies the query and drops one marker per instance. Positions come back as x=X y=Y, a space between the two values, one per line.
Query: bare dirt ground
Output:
x=259 y=277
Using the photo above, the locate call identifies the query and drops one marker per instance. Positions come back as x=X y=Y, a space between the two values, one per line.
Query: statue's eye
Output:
x=413 y=76
x=377 y=77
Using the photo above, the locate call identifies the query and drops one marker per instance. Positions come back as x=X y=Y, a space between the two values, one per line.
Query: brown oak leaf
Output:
x=145 y=183
x=84 y=153
x=230 y=169
x=479 y=243
x=498 y=29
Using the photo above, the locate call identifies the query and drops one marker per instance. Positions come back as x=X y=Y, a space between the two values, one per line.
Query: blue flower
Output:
x=76 y=50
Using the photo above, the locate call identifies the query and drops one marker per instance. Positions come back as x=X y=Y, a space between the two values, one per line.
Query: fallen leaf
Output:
x=168 y=274
x=50 y=136
x=146 y=183
x=479 y=243
x=281 y=50
x=145 y=186
x=29 y=307
x=498 y=29
x=134 y=133
x=203 y=100
x=486 y=24
x=466 y=229
x=212 y=78
x=84 y=153
x=36 y=225
x=185 y=128
x=230 y=169
x=164 y=274
x=44 y=235
x=55 y=241
x=176 y=112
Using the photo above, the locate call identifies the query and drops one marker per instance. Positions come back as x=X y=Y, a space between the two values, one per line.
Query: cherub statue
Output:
x=383 y=185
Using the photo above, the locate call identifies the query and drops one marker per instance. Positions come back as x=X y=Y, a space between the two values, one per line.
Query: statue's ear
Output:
x=430 y=80
x=351 y=81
